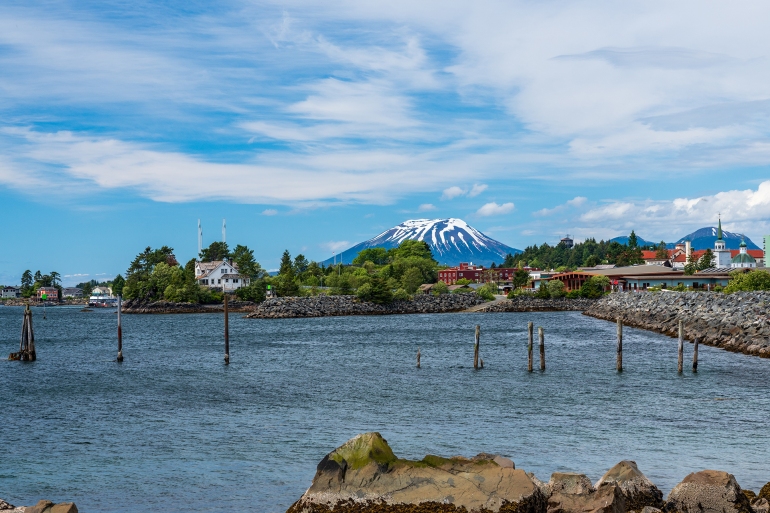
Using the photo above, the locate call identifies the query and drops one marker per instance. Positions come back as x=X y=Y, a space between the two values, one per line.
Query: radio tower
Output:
x=224 y=231
x=200 y=239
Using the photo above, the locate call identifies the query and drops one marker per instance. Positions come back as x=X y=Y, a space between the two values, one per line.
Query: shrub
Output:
x=542 y=292
x=486 y=291
x=748 y=281
x=440 y=288
x=401 y=295
x=520 y=292
x=463 y=281
x=254 y=292
x=376 y=291
x=573 y=294
x=556 y=288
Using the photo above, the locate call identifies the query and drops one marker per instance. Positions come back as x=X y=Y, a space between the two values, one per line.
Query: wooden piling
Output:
x=695 y=355
x=619 y=357
x=531 y=330
x=27 y=351
x=680 y=365
x=120 y=330
x=541 y=334
x=418 y=357
x=476 y=348
x=227 y=333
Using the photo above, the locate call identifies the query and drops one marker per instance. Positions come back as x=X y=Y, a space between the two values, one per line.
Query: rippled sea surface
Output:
x=172 y=429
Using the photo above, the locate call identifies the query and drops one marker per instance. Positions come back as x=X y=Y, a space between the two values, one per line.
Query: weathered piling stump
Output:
x=418 y=357
x=680 y=364
x=476 y=348
x=619 y=357
x=541 y=334
x=120 y=330
x=227 y=333
x=531 y=331
x=695 y=355
x=27 y=351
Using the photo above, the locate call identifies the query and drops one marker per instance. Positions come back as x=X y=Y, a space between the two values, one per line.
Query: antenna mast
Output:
x=200 y=238
x=224 y=231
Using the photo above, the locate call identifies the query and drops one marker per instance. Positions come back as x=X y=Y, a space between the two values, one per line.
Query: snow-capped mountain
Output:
x=451 y=240
x=704 y=238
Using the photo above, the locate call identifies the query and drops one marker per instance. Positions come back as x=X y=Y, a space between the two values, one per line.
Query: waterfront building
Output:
x=11 y=292
x=743 y=260
x=48 y=294
x=567 y=241
x=220 y=274
x=72 y=292
x=642 y=277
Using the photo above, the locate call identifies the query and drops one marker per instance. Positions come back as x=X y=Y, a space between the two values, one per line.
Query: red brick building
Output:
x=51 y=294
x=475 y=273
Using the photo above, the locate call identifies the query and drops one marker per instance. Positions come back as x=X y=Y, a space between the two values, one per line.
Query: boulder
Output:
x=64 y=507
x=363 y=474
x=570 y=483
x=607 y=499
x=709 y=491
x=637 y=489
x=764 y=493
x=760 y=505
x=42 y=506
x=5 y=506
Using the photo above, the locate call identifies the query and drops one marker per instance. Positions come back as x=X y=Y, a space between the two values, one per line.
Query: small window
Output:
x=219 y=281
x=235 y=280
x=227 y=280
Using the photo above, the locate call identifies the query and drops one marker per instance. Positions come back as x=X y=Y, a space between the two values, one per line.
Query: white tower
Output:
x=224 y=231
x=722 y=256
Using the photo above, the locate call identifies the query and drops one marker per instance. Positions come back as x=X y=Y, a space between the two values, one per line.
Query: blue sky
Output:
x=311 y=126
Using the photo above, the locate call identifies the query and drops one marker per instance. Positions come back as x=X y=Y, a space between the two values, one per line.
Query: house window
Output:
x=222 y=271
x=235 y=280
x=219 y=281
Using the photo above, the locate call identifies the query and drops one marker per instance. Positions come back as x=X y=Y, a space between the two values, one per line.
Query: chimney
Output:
x=688 y=250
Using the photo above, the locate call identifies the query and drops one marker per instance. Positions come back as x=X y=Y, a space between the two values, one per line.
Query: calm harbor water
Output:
x=172 y=429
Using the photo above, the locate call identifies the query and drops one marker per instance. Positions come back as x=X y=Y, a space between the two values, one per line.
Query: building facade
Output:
x=48 y=294
x=72 y=292
x=743 y=260
x=11 y=292
x=220 y=274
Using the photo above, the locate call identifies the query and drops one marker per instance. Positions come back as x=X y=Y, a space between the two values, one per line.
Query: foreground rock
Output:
x=329 y=306
x=709 y=491
x=737 y=322
x=136 y=306
x=535 y=304
x=364 y=475
x=41 y=507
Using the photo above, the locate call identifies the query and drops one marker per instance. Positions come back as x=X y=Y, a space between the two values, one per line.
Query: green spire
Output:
x=743 y=243
x=719 y=230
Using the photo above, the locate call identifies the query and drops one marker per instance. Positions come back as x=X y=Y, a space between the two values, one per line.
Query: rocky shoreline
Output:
x=365 y=476
x=137 y=306
x=737 y=322
x=41 y=507
x=534 y=304
x=332 y=306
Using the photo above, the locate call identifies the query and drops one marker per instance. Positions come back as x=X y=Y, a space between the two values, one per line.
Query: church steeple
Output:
x=719 y=229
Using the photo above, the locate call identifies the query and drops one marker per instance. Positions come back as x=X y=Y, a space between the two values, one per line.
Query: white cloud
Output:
x=335 y=245
x=426 y=207
x=477 y=189
x=493 y=209
x=576 y=202
x=270 y=212
x=452 y=192
x=743 y=211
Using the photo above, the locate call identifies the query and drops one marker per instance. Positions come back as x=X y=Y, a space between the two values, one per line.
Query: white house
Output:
x=72 y=292
x=11 y=292
x=220 y=274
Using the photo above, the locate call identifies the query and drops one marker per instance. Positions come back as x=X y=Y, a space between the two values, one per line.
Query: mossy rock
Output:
x=362 y=450
x=764 y=493
x=750 y=495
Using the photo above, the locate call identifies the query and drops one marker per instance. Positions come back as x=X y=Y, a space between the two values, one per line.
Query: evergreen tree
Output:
x=633 y=242
x=706 y=261
x=287 y=279
x=117 y=285
x=215 y=251
x=662 y=252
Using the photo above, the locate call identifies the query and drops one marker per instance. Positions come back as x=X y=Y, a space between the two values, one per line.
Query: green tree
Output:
x=741 y=281
x=463 y=281
x=55 y=278
x=509 y=262
x=520 y=278
x=26 y=282
x=215 y=251
x=139 y=276
x=412 y=248
x=379 y=256
x=38 y=276
x=376 y=291
x=594 y=287
x=706 y=261
x=286 y=263
x=117 y=285
x=300 y=264
x=412 y=279
x=633 y=242
x=256 y=291
x=690 y=268
x=440 y=288
x=556 y=288
x=243 y=258
x=286 y=281
x=591 y=261
x=661 y=253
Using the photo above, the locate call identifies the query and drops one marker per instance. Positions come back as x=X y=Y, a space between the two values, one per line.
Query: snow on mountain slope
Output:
x=451 y=240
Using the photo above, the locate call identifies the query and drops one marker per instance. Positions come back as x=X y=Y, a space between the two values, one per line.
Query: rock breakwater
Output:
x=137 y=306
x=737 y=322
x=330 y=306
x=364 y=476
x=534 y=304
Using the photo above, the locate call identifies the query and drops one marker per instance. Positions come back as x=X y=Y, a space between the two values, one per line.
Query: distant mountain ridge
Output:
x=702 y=238
x=451 y=240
